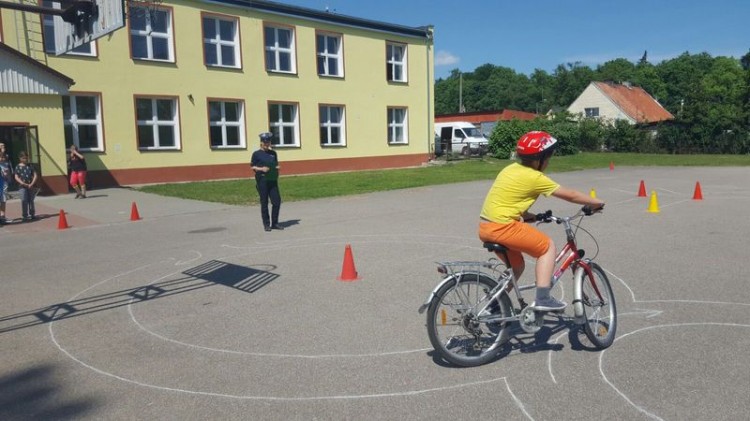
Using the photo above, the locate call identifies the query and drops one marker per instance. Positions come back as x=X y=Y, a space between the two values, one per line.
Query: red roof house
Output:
x=613 y=101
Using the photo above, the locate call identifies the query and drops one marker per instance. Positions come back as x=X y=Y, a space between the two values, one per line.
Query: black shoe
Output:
x=268 y=228
x=277 y=227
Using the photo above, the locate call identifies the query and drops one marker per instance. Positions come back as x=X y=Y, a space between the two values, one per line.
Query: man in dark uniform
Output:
x=265 y=163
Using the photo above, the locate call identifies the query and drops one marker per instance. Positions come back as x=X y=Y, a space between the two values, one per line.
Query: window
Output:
x=397 y=124
x=226 y=124
x=158 y=123
x=221 y=43
x=280 y=56
x=396 y=62
x=332 y=127
x=330 y=60
x=82 y=119
x=151 y=33
x=48 y=33
x=592 y=112
x=284 y=123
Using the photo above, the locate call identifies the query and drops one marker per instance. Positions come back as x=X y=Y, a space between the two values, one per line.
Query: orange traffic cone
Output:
x=134 y=216
x=642 y=190
x=698 y=194
x=611 y=165
x=348 y=271
x=62 y=222
x=653 y=205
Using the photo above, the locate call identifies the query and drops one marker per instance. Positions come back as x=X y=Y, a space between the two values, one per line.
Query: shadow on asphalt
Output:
x=34 y=393
x=211 y=273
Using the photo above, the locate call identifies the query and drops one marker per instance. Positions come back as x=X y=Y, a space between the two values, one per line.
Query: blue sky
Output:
x=541 y=34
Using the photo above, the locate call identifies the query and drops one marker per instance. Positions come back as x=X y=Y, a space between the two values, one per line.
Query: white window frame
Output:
x=271 y=46
x=278 y=127
x=216 y=43
x=591 y=112
x=393 y=64
x=326 y=56
x=394 y=125
x=149 y=34
x=224 y=124
x=327 y=125
x=155 y=123
x=74 y=122
x=48 y=33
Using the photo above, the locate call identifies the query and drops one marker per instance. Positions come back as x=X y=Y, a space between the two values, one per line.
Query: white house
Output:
x=611 y=101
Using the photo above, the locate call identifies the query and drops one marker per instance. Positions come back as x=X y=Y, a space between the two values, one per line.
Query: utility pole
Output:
x=461 y=108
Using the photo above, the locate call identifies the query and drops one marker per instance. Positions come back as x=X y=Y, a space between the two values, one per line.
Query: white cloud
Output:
x=444 y=58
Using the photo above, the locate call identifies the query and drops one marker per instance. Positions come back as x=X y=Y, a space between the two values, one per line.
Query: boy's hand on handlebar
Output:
x=543 y=217
x=589 y=210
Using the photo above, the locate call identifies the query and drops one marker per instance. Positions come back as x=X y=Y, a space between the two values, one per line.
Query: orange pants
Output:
x=518 y=237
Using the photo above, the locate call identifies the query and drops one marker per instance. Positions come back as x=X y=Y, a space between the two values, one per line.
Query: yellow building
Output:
x=182 y=91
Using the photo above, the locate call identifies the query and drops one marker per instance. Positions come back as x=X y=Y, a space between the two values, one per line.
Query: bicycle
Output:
x=469 y=313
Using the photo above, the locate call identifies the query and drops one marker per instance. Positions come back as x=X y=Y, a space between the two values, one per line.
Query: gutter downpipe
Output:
x=430 y=135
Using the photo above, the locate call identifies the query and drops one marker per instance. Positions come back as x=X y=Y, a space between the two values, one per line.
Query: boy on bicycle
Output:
x=506 y=206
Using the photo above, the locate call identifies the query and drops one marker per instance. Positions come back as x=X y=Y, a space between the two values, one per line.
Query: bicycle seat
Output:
x=495 y=247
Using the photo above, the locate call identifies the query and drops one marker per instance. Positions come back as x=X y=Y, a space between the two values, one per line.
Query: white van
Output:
x=464 y=138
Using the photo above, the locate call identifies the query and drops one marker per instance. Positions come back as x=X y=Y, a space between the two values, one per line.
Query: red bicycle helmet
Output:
x=535 y=145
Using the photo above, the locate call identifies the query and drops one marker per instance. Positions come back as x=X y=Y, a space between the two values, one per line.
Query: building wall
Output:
x=592 y=97
x=364 y=91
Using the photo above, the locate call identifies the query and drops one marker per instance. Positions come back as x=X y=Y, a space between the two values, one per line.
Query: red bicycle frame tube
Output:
x=569 y=257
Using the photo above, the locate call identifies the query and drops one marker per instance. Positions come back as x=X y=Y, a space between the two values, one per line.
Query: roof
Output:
x=635 y=102
x=330 y=17
x=19 y=55
x=485 y=116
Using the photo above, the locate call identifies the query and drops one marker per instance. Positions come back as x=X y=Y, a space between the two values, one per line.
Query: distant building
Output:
x=611 y=101
x=486 y=120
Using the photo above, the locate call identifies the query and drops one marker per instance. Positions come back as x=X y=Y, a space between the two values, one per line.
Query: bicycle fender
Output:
x=426 y=304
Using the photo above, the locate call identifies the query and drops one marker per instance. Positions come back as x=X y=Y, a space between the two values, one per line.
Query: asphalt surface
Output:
x=194 y=312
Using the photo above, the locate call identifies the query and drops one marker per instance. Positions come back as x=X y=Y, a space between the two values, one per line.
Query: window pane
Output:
x=211 y=57
x=227 y=55
x=164 y=110
x=209 y=28
x=322 y=65
x=285 y=62
x=333 y=45
x=233 y=136
x=137 y=18
x=231 y=111
x=335 y=114
x=286 y=113
x=140 y=50
x=270 y=36
x=320 y=43
x=214 y=111
x=66 y=107
x=143 y=109
x=166 y=136
x=216 y=136
x=226 y=30
x=145 y=136
x=324 y=136
x=270 y=60
x=335 y=135
x=333 y=66
x=68 y=135
x=273 y=114
x=288 y=135
x=159 y=21
x=285 y=38
x=87 y=137
x=160 y=47
x=86 y=107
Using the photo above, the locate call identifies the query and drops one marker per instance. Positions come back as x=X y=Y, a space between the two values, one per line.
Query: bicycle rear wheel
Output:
x=456 y=332
x=599 y=307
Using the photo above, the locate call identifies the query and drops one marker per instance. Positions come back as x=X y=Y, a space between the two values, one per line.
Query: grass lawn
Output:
x=303 y=187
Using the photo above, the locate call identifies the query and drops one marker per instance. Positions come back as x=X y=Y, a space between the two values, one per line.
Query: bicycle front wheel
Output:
x=599 y=307
x=456 y=332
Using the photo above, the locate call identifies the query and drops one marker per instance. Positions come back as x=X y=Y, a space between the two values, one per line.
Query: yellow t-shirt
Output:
x=515 y=189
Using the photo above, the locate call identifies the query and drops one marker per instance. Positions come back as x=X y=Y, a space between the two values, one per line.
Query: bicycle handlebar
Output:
x=547 y=217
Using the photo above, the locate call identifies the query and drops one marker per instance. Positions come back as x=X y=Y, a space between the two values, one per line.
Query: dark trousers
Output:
x=269 y=190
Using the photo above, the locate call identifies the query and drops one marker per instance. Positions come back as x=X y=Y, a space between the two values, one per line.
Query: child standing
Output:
x=26 y=178
x=5 y=177
x=77 y=165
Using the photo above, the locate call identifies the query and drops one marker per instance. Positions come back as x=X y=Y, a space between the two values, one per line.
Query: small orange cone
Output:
x=134 y=216
x=642 y=190
x=698 y=194
x=348 y=271
x=62 y=222
x=611 y=165
x=653 y=205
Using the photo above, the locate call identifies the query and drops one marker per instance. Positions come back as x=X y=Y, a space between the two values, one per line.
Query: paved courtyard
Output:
x=194 y=312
